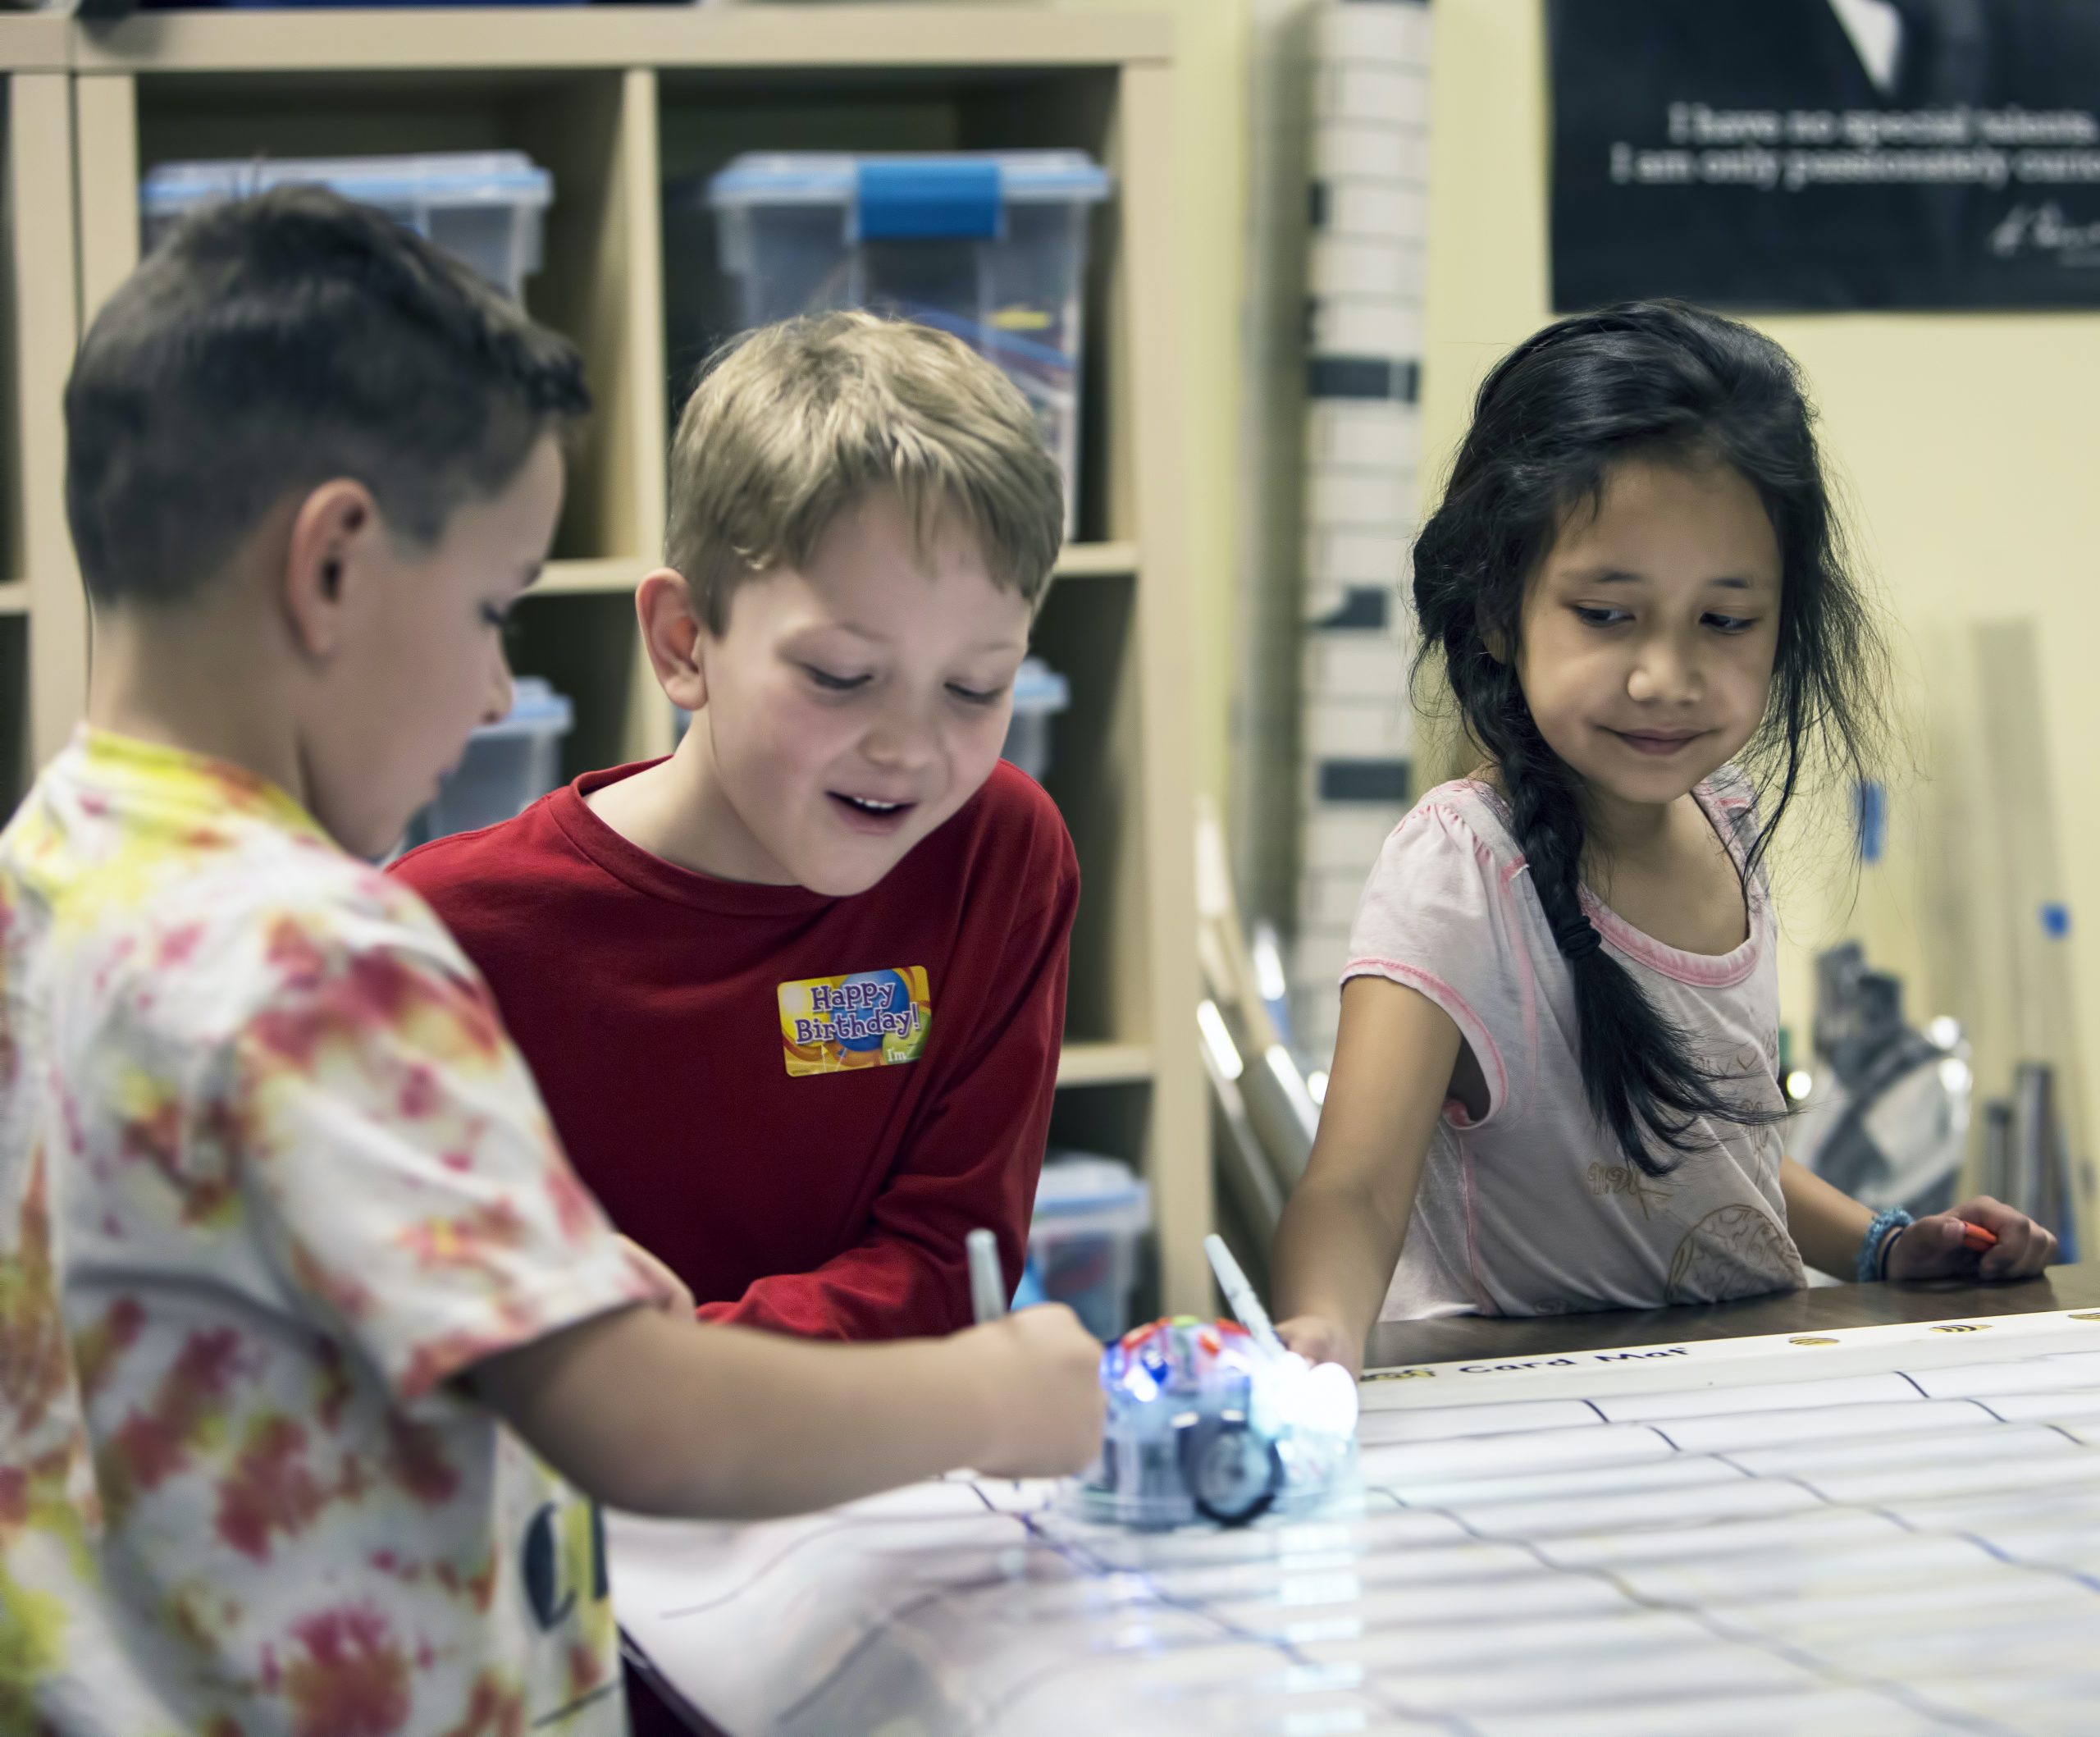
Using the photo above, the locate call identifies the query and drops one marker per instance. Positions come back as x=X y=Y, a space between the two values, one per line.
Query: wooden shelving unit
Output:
x=630 y=106
x=43 y=619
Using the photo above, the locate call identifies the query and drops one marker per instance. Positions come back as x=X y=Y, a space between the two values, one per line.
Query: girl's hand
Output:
x=672 y=1296
x=1933 y=1248
x=1319 y=1340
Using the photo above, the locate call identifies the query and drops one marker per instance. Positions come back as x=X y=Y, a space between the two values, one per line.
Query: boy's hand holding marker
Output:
x=1042 y=1389
x=1054 y=1423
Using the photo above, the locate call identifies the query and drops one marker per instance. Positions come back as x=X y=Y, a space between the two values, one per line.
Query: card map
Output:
x=1883 y=1530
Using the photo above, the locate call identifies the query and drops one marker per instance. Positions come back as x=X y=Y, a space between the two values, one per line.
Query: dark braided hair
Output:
x=1641 y=381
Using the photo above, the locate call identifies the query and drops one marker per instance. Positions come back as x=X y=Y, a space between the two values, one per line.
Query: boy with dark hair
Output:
x=795 y=995
x=313 y=1351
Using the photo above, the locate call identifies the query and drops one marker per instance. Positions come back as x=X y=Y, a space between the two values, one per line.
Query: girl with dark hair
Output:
x=1555 y=1084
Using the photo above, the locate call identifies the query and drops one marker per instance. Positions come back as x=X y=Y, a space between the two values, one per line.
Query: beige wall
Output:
x=1969 y=446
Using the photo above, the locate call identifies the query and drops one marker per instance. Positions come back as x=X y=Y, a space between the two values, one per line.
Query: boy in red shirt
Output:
x=794 y=995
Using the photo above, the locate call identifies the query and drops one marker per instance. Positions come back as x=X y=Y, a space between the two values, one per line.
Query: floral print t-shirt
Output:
x=269 y=1173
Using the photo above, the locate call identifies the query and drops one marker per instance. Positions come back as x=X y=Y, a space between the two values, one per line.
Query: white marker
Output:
x=988 y=1288
x=1238 y=1292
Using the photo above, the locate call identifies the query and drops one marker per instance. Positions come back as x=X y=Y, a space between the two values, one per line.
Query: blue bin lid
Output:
x=833 y=177
x=1077 y=1182
x=1038 y=687
x=535 y=709
x=439 y=178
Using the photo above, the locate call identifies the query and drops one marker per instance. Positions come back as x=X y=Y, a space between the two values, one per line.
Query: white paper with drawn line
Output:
x=1874 y=1530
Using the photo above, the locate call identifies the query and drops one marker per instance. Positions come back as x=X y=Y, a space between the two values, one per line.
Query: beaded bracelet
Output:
x=1872 y=1262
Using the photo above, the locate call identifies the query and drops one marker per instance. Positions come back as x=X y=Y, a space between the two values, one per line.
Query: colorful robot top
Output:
x=1205 y=1423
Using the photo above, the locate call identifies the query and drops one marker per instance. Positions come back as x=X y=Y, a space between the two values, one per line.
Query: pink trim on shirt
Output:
x=1468 y=1022
x=1700 y=970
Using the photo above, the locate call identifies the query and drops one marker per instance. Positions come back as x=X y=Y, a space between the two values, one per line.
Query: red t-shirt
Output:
x=740 y=1111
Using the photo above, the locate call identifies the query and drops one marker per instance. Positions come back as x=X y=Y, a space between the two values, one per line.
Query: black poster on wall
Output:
x=1826 y=154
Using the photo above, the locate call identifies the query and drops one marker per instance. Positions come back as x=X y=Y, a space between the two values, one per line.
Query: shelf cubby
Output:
x=1086 y=631
x=593 y=130
x=587 y=645
x=710 y=116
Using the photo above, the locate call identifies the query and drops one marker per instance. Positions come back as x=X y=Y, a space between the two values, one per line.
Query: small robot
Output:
x=1209 y=1420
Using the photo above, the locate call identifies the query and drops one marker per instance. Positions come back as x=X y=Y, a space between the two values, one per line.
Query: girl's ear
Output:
x=1497 y=643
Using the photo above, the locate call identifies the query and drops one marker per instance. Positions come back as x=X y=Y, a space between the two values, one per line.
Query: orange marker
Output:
x=1975 y=1237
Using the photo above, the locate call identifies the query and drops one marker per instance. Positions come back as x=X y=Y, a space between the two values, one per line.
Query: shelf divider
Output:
x=623 y=572
x=1109 y=561
x=610 y=576
x=1178 y=1147
x=1104 y=1064
x=815 y=39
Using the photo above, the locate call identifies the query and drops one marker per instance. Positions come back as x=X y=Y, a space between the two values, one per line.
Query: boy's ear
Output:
x=671 y=632
x=330 y=535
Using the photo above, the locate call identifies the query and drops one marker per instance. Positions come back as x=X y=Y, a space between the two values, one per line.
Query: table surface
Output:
x=1456 y=1338
x=1890 y=1525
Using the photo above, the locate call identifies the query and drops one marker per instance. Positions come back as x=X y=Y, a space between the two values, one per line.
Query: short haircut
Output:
x=792 y=424
x=271 y=345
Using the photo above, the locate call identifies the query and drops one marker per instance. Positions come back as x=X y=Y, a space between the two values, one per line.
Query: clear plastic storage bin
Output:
x=1040 y=693
x=508 y=766
x=486 y=207
x=990 y=246
x=1091 y=1215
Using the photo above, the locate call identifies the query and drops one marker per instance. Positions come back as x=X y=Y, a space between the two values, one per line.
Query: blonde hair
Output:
x=793 y=423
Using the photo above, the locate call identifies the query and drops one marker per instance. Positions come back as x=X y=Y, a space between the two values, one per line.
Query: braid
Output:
x=1639 y=1076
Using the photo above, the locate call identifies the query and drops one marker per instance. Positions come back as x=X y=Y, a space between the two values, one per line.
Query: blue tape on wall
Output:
x=1870 y=820
x=1362 y=606
x=1363 y=376
x=928 y=199
x=1364 y=780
